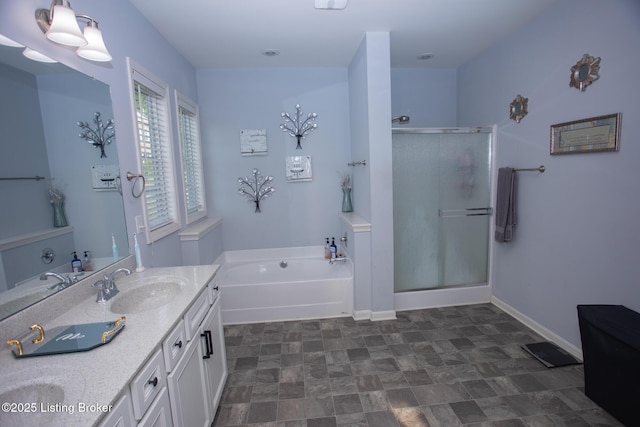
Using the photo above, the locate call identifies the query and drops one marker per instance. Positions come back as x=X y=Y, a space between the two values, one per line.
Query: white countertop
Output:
x=98 y=376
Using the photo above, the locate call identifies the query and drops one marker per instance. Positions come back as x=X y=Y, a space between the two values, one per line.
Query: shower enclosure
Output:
x=441 y=207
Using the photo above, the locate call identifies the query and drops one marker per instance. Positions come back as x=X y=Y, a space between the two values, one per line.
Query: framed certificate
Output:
x=594 y=134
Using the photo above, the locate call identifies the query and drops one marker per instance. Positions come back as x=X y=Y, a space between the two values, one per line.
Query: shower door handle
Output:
x=452 y=213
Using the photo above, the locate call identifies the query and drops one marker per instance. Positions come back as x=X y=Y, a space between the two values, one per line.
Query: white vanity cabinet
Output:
x=121 y=415
x=159 y=413
x=198 y=376
x=215 y=365
x=181 y=384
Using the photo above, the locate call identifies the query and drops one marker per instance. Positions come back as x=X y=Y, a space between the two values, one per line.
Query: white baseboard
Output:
x=383 y=315
x=432 y=298
x=361 y=314
x=373 y=315
x=538 y=328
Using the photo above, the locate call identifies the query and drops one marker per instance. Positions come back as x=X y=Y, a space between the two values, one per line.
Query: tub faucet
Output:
x=64 y=282
x=338 y=259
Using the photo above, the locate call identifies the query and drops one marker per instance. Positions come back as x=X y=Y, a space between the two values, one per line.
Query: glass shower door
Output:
x=441 y=195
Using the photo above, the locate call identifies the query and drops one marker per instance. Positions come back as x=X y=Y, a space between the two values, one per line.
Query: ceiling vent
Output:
x=331 y=4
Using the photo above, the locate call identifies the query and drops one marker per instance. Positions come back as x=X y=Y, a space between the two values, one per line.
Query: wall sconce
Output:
x=60 y=25
x=296 y=127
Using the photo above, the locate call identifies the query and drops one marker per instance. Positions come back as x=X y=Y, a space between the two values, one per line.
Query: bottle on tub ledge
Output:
x=327 y=250
x=333 y=248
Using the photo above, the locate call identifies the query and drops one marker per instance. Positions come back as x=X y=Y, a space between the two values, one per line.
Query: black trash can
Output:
x=611 y=351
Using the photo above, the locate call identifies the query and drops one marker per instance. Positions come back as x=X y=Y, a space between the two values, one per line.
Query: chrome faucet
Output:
x=338 y=259
x=64 y=282
x=107 y=288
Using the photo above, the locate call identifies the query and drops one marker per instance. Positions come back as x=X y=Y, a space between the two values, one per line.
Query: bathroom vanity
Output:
x=167 y=366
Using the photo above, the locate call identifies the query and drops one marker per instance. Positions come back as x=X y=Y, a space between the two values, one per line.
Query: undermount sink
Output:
x=33 y=395
x=146 y=297
x=36 y=397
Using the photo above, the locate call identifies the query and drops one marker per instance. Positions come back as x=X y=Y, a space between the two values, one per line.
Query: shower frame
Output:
x=465 y=294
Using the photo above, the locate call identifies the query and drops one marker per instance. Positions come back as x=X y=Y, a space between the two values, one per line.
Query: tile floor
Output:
x=435 y=367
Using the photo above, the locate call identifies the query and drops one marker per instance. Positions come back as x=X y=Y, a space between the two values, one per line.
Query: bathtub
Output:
x=268 y=285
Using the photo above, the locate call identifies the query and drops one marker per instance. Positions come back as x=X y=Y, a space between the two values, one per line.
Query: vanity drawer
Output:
x=174 y=345
x=147 y=384
x=196 y=313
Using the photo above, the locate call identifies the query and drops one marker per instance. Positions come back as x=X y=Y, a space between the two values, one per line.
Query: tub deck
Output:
x=254 y=288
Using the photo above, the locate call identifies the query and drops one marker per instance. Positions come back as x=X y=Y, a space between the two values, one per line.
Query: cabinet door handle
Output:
x=153 y=382
x=209 y=342
x=206 y=340
x=178 y=344
x=216 y=287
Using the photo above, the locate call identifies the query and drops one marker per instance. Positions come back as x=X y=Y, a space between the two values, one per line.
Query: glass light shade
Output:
x=8 y=42
x=95 y=50
x=37 y=56
x=64 y=27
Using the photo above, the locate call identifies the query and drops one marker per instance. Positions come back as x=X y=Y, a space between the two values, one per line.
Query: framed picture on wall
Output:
x=595 y=134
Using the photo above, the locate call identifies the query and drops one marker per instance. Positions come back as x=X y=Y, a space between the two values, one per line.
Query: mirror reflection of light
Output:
x=9 y=42
x=37 y=56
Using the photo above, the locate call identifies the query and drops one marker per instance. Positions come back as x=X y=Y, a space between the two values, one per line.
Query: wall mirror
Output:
x=585 y=72
x=39 y=113
x=518 y=108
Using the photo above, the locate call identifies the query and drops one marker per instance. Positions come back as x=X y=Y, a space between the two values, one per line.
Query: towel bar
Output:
x=540 y=169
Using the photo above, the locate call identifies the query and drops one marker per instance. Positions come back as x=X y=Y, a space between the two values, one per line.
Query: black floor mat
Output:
x=550 y=355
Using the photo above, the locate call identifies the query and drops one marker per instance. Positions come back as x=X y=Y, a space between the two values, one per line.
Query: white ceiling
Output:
x=233 y=33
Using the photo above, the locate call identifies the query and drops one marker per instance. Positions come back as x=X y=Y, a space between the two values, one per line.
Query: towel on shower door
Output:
x=505 y=205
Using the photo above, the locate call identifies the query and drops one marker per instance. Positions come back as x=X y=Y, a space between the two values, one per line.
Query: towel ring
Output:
x=136 y=178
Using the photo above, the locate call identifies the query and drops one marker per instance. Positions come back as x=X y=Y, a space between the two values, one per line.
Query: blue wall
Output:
x=297 y=213
x=577 y=236
x=427 y=95
x=22 y=153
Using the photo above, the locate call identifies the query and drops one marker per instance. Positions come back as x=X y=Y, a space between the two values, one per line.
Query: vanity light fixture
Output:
x=60 y=25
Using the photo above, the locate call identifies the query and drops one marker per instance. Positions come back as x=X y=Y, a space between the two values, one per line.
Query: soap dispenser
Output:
x=76 y=264
x=86 y=262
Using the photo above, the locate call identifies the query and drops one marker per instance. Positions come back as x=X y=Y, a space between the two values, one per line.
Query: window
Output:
x=191 y=154
x=149 y=95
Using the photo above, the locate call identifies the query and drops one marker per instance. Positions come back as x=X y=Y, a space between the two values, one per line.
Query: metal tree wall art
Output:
x=256 y=188
x=298 y=127
x=101 y=136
